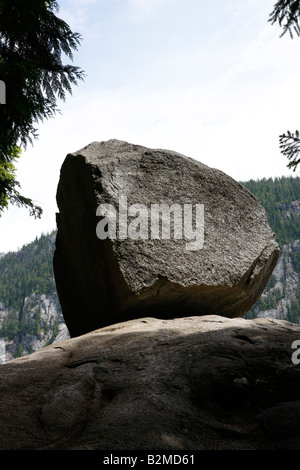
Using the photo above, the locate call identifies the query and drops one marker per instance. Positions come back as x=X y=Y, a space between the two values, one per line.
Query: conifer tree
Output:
x=287 y=14
x=32 y=42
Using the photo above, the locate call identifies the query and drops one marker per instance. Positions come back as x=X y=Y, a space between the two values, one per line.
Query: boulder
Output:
x=193 y=383
x=143 y=231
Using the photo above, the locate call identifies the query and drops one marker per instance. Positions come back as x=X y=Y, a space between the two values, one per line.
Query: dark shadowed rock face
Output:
x=194 y=383
x=100 y=282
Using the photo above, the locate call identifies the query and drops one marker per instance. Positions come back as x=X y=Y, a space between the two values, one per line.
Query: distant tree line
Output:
x=273 y=194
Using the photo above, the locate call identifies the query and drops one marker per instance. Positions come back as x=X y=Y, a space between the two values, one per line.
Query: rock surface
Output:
x=100 y=282
x=192 y=383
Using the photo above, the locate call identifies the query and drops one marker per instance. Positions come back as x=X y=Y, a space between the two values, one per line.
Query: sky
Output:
x=211 y=80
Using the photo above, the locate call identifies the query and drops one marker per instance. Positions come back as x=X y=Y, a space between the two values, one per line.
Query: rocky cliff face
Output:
x=43 y=324
x=285 y=292
x=281 y=299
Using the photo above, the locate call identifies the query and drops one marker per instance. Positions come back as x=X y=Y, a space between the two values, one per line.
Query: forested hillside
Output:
x=27 y=271
x=276 y=195
x=30 y=313
x=281 y=199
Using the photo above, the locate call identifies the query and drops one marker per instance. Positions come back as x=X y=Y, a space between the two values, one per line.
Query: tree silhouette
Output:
x=287 y=13
x=32 y=42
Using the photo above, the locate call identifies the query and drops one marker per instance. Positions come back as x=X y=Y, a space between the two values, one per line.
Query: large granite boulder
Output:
x=115 y=261
x=198 y=383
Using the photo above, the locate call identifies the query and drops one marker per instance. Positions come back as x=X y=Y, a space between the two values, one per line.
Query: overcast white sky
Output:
x=212 y=80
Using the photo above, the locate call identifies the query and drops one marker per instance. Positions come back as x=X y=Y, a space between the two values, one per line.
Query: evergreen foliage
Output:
x=287 y=14
x=274 y=194
x=289 y=144
x=33 y=41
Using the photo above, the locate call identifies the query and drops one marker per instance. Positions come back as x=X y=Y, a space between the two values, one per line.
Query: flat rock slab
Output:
x=222 y=262
x=194 y=383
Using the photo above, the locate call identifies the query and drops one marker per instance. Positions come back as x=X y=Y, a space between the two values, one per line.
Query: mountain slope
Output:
x=30 y=313
x=281 y=199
